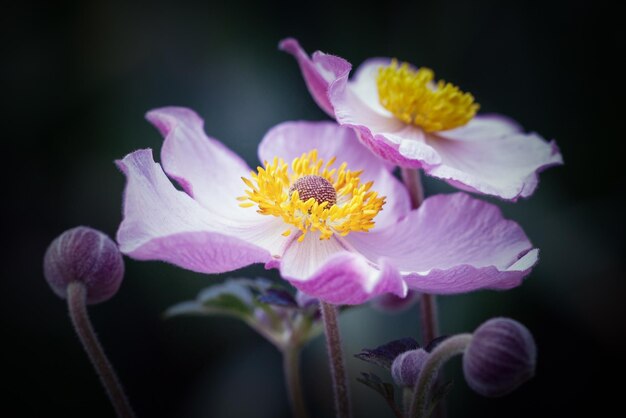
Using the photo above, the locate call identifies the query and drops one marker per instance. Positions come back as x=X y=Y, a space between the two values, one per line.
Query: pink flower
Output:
x=403 y=116
x=340 y=234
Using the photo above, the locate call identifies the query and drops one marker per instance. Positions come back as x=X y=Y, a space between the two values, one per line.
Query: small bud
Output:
x=391 y=303
x=85 y=255
x=501 y=356
x=407 y=366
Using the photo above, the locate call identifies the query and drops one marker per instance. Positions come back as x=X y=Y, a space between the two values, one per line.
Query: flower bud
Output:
x=88 y=256
x=407 y=366
x=501 y=356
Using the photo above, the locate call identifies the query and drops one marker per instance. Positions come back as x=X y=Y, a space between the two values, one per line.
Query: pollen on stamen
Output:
x=312 y=196
x=413 y=97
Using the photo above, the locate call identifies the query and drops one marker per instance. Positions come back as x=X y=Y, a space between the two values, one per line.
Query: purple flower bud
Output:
x=501 y=356
x=407 y=366
x=85 y=255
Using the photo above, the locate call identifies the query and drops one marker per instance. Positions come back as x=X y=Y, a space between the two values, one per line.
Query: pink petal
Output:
x=319 y=71
x=353 y=103
x=452 y=244
x=484 y=126
x=206 y=169
x=162 y=223
x=324 y=269
x=489 y=155
x=363 y=84
x=356 y=105
x=291 y=139
x=487 y=158
x=472 y=157
x=389 y=148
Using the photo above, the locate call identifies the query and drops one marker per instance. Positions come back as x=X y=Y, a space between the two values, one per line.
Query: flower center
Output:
x=413 y=97
x=310 y=195
x=315 y=187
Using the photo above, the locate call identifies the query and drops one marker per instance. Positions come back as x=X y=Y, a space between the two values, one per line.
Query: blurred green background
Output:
x=77 y=79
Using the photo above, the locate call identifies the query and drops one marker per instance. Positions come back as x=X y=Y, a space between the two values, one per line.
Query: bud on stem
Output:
x=500 y=358
x=85 y=266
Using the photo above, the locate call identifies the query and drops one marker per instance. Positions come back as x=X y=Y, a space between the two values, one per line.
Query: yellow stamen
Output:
x=353 y=210
x=412 y=97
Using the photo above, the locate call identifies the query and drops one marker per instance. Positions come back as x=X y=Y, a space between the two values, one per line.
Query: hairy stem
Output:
x=337 y=363
x=291 y=367
x=76 y=301
x=428 y=304
x=428 y=375
x=407 y=398
x=428 y=315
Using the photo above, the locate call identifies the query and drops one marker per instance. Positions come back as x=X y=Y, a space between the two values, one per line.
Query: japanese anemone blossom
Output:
x=335 y=233
x=403 y=116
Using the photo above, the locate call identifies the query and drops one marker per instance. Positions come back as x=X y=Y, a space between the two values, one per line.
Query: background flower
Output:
x=78 y=79
x=484 y=153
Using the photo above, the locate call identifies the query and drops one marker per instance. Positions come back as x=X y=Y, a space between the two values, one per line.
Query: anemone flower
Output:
x=322 y=209
x=403 y=116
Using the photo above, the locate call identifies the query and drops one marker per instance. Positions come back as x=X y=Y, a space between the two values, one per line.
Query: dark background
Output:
x=77 y=80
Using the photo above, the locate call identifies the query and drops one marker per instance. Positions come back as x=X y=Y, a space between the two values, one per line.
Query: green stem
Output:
x=337 y=363
x=428 y=304
x=407 y=398
x=291 y=367
x=76 y=302
x=428 y=375
x=428 y=315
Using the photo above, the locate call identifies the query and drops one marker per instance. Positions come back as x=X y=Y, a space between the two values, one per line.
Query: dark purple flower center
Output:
x=315 y=187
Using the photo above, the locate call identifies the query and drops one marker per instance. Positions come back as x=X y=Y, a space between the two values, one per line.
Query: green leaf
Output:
x=190 y=307
x=234 y=297
x=385 y=389
x=385 y=354
x=228 y=302
x=278 y=297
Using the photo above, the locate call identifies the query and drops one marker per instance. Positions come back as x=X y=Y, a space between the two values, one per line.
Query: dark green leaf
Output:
x=385 y=354
x=233 y=297
x=278 y=297
x=228 y=302
x=385 y=389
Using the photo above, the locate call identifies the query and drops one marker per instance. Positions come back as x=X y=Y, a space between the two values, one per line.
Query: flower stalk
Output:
x=337 y=362
x=429 y=317
x=413 y=182
x=291 y=368
x=428 y=304
x=76 y=301
x=428 y=376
